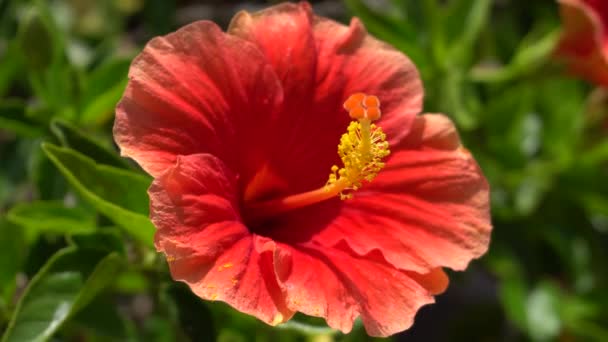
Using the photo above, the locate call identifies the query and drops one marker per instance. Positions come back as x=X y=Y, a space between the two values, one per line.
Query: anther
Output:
x=357 y=112
x=371 y=101
x=372 y=113
x=353 y=101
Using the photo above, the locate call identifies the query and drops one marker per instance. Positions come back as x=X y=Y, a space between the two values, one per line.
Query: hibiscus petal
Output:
x=584 y=40
x=321 y=63
x=293 y=56
x=428 y=208
x=195 y=208
x=338 y=286
x=352 y=61
x=197 y=90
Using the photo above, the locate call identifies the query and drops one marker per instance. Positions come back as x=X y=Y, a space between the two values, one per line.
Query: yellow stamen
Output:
x=361 y=150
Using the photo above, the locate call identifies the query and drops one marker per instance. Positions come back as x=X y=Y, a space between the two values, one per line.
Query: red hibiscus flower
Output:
x=240 y=129
x=584 y=41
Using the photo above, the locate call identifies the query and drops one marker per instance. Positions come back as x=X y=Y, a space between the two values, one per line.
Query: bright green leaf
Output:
x=465 y=20
x=104 y=87
x=531 y=55
x=51 y=216
x=388 y=28
x=120 y=195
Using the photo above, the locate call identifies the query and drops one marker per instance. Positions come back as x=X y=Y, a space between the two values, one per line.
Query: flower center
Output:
x=361 y=150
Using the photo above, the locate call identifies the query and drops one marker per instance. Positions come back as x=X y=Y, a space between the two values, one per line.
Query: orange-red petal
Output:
x=321 y=63
x=584 y=41
x=197 y=90
x=194 y=206
x=428 y=208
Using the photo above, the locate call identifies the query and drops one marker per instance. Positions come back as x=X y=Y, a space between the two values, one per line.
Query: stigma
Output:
x=362 y=148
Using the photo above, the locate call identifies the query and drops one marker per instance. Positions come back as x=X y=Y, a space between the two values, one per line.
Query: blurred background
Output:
x=76 y=262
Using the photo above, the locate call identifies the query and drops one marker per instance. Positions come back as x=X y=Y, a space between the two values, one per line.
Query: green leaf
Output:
x=595 y=155
x=120 y=195
x=12 y=255
x=396 y=31
x=513 y=297
x=433 y=20
x=458 y=100
x=132 y=282
x=465 y=20
x=104 y=89
x=530 y=56
x=159 y=16
x=51 y=216
x=14 y=118
x=68 y=281
x=70 y=136
x=37 y=42
x=561 y=103
x=50 y=185
x=307 y=329
x=103 y=320
x=11 y=66
x=107 y=240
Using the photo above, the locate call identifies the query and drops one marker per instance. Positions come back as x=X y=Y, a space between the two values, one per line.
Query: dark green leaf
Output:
x=107 y=239
x=69 y=281
x=192 y=314
x=37 y=42
x=14 y=118
x=70 y=136
x=12 y=255
x=102 y=318
x=11 y=66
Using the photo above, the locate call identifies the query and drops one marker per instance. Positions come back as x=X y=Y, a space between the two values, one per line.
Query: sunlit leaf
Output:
x=51 y=216
x=119 y=194
x=465 y=21
x=531 y=55
x=104 y=88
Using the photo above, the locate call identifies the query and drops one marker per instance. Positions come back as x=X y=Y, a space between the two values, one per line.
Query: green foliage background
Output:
x=76 y=255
